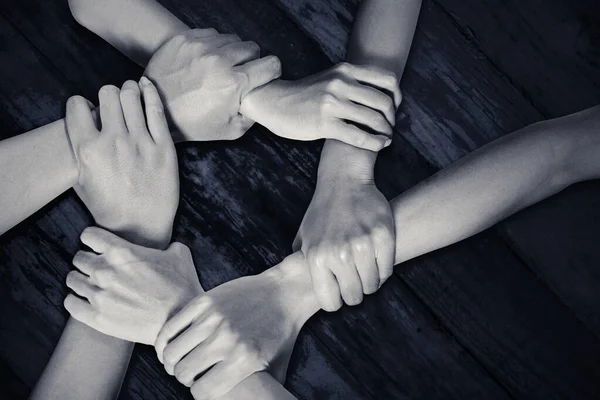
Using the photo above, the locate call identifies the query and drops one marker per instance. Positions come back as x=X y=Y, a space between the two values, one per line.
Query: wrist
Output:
x=71 y=163
x=293 y=285
x=341 y=161
x=253 y=105
x=156 y=236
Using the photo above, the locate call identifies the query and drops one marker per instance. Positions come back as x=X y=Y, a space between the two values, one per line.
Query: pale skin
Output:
x=347 y=233
x=220 y=327
x=356 y=83
x=139 y=28
x=33 y=160
x=63 y=159
x=104 y=160
x=347 y=257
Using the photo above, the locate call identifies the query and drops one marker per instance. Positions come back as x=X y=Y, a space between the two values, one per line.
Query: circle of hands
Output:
x=149 y=292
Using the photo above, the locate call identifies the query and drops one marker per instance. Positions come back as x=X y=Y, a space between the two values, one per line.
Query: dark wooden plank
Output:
x=237 y=222
x=559 y=238
x=548 y=50
x=456 y=68
x=206 y=168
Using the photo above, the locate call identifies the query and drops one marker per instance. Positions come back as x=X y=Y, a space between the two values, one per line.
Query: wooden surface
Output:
x=511 y=313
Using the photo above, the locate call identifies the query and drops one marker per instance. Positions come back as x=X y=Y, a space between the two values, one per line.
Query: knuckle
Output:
x=378 y=121
x=253 y=46
x=331 y=304
x=241 y=78
x=342 y=67
x=335 y=84
x=316 y=258
x=344 y=253
x=86 y=154
x=122 y=253
x=212 y=58
x=328 y=101
x=360 y=243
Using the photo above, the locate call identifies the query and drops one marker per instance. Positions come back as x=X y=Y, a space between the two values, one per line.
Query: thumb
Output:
x=260 y=72
x=81 y=122
x=101 y=240
x=357 y=137
x=297 y=244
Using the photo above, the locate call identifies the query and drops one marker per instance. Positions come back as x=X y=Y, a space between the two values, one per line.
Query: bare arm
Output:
x=470 y=195
x=87 y=364
x=36 y=166
x=347 y=233
x=496 y=181
x=137 y=28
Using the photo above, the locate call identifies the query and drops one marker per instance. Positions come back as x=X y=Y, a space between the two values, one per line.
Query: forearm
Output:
x=481 y=189
x=260 y=385
x=36 y=166
x=87 y=364
x=137 y=28
x=496 y=181
x=382 y=35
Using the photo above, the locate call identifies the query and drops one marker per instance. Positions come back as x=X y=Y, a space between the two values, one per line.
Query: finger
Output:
x=86 y=262
x=366 y=266
x=297 y=243
x=357 y=137
x=240 y=52
x=221 y=378
x=187 y=341
x=80 y=309
x=155 y=113
x=201 y=33
x=385 y=253
x=80 y=121
x=174 y=326
x=81 y=285
x=325 y=286
x=204 y=356
x=376 y=77
x=370 y=97
x=240 y=125
x=111 y=113
x=364 y=116
x=101 y=240
x=212 y=43
x=132 y=109
x=260 y=72
x=347 y=277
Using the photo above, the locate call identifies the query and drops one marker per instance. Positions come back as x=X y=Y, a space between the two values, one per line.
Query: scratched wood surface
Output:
x=510 y=313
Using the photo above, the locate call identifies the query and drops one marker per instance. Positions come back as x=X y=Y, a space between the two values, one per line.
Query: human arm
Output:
x=471 y=195
x=315 y=107
x=347 y=233
x=36 y=166
x=130 y=184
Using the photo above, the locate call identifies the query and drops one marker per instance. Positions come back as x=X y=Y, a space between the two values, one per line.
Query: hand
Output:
x=329 y=105
x=246 y=325
x=128 y=176
x=129 y=291
x=348 y=238
x=203 y=76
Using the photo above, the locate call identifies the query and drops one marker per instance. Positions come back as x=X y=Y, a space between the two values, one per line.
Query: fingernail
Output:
x=387 y=143
x=144 y=81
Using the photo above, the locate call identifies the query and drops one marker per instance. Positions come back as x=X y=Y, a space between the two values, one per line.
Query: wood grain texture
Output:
x=470 y=321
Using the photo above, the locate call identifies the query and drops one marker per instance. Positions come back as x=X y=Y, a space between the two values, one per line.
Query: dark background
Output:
x=511 y=313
